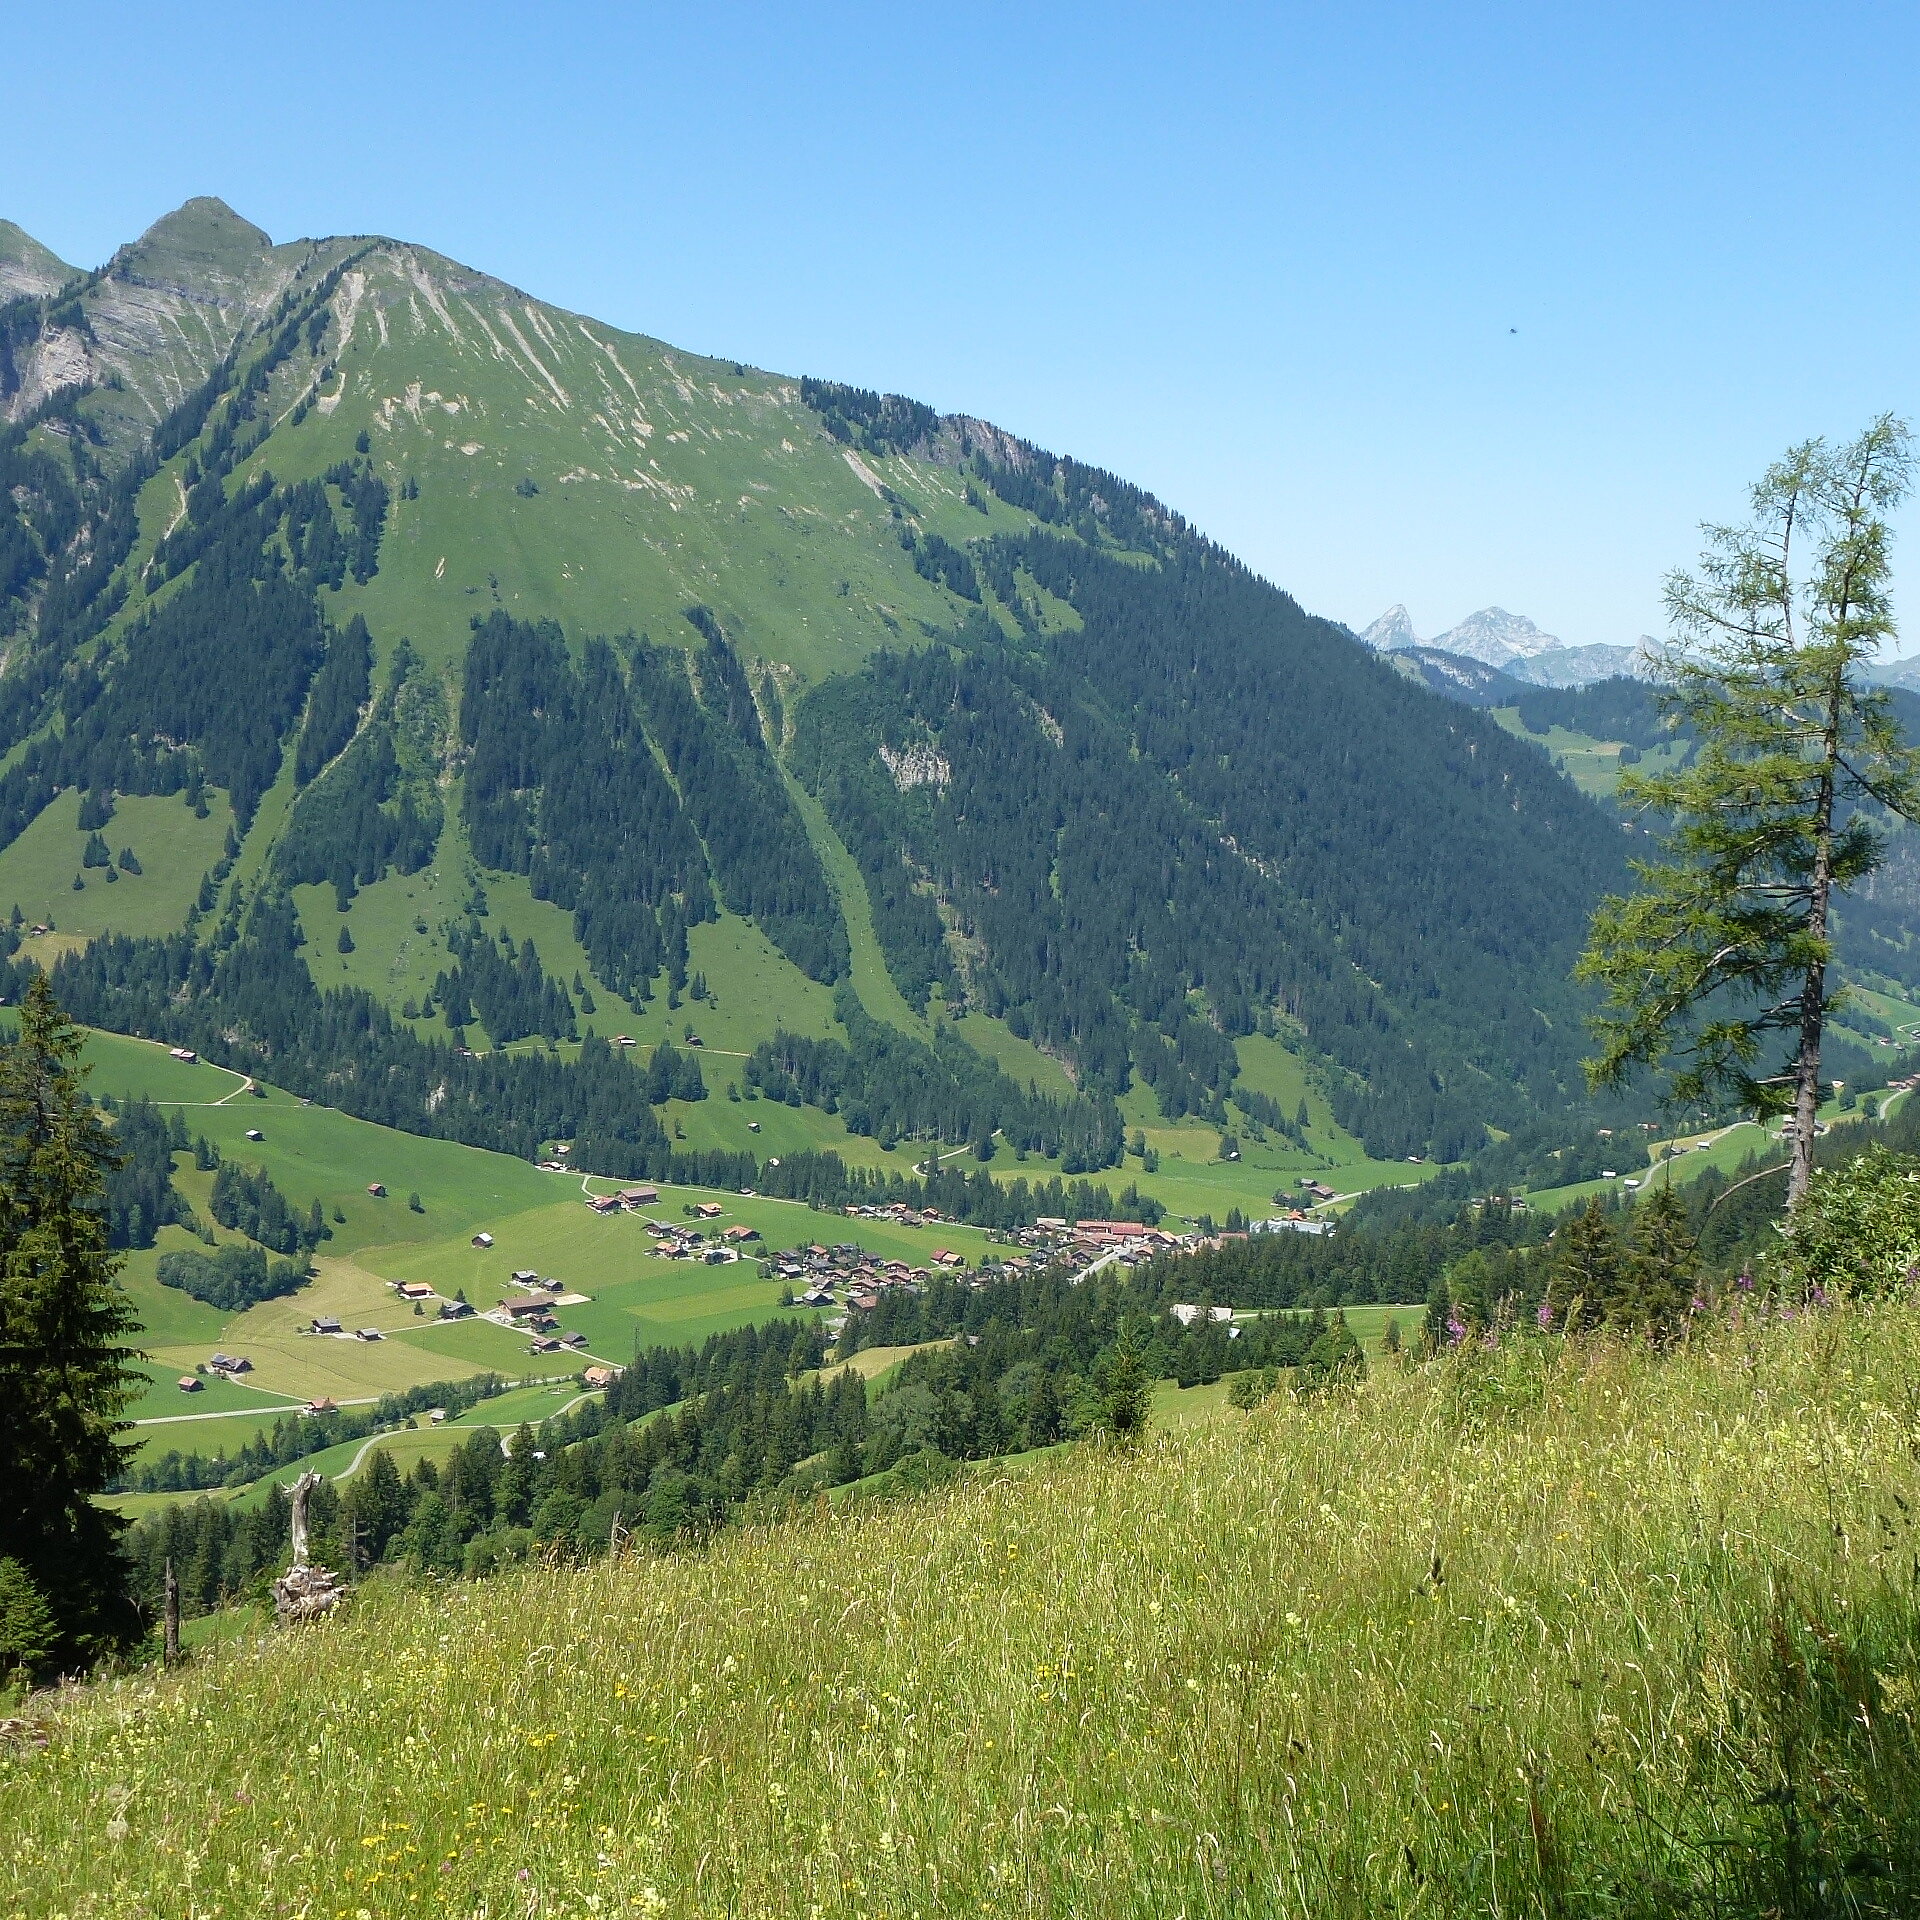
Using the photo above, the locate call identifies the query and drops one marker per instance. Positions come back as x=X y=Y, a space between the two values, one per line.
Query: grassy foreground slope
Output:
x=1544 y=1631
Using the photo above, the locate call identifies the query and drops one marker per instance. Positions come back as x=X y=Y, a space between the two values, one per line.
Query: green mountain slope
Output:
x=535 y=664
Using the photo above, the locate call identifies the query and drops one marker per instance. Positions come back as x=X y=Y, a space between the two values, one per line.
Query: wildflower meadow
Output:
x=1560 y=1627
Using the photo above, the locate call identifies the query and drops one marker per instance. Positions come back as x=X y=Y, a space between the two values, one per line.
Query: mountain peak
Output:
x=1392 y=631
x=1496 y=637
x=26 y=267
x=203 y=236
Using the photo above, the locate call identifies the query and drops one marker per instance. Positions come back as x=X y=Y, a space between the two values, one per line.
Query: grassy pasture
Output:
x=37 y=871
x=1411 y=1649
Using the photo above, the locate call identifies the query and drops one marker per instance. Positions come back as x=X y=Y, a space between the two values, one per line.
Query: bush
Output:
x=1858 y=1228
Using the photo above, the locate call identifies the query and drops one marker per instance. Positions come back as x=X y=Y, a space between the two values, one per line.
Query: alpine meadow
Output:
x=766 y=1155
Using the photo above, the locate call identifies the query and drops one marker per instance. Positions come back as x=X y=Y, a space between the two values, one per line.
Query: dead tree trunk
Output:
x=172 y=1628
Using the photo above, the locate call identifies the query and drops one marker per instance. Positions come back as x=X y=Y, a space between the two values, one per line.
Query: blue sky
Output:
x=1456 y=305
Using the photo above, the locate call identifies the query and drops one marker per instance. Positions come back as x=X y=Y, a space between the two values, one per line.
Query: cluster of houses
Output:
x=1092 y=1239
x=627 y=1200
x=673 y=1241
x=863 y=1280
x=326 y=1324
x=532 y=1311
x=899 y=1214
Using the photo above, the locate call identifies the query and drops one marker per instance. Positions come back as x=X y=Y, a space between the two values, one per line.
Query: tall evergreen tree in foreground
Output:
x=1722 y=955
x=66 y=1373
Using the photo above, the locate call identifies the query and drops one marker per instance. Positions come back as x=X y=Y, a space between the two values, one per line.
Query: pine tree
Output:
x=1588 y=1271
x=27 y=1631
x=1661 y=1266
x=1123 y=1388
x=66 y=1371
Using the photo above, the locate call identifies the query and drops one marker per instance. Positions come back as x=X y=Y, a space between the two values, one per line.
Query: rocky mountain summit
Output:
x=1513 y=644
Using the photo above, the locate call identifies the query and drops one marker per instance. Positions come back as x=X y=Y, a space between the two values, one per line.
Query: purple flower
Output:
x=1696 y=1305
x=1745 y=1283
x=1818 y=1297
x=1456 y=1331
x=1545 y=1316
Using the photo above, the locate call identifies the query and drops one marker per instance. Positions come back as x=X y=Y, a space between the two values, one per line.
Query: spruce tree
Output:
x=1661 y=1266
x=66 y=1370
x=1587 y=1270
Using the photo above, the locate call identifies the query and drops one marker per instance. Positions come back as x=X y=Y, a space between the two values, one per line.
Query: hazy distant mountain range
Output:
x=1513 y=644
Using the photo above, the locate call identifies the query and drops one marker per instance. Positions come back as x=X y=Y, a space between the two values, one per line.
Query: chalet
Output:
x=709 y=1209
x=742 y=1233
x=368 y=1333
x=598 y=1377
x=179 y=1053
x=563 y=1148
x=753 y=1126
x=694 y=1040
x=525 y=1277
x=604 y=1202
x=544 y=1346
x=720 y=1256
x=639 y=1197
x=191 y=1383
x=574 y=1339
x=816 y=1297
x=943 y=1257
x=378 y=1191
x=623 y=1039
x=326 y=1325
x=455 y=1310
x=230 y=1363
x=413 y=1290
x=322 y=1405
x=254 y=1133
x=1187 y=1315
x=532 y=1309
x=481 y=1240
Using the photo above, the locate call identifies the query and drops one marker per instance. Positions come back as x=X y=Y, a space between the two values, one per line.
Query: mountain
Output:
x=1897 y=673
x=1392 y=632
x=469 y=681
x=1496 y=637
x=1471 y=682
x=27 y=269
x=1512 y=644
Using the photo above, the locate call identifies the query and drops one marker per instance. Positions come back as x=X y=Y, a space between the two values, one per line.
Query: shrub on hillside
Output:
x=1858 y=1229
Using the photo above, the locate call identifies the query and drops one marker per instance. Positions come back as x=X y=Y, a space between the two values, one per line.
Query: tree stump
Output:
x=305 y=1592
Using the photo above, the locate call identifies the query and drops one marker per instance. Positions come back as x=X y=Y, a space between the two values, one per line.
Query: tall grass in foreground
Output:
x=1549 y=1631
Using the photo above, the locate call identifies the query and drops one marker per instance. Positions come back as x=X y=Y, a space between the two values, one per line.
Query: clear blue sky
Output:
x=1267 y=261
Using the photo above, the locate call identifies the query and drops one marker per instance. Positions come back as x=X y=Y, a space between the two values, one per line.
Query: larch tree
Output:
x=66 y=1365
x=1718 y=967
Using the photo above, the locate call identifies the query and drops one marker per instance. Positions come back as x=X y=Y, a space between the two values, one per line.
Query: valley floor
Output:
x=1536 y=1631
